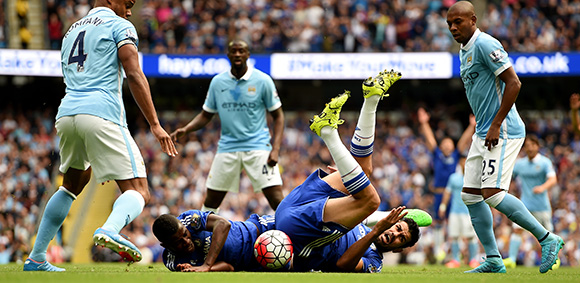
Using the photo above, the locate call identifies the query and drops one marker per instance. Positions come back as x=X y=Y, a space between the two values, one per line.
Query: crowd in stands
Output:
x=402 y=174
x=205 y=27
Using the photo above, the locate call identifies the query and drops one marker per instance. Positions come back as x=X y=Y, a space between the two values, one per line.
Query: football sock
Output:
x=375 y=217
x=515 y=243
x=362 y=141
x=438 y=239
x=517 y=212
x=473 y=247
x=54 y=214
x=126 y=208
x=455 y=249
x=214 y=210
x=352 y=175
x=482 y=221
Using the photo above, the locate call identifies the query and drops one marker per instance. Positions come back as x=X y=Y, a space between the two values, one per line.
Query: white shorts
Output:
x=491 y=169
x=459 y=225
x=224 y=174
x=544 y=217
x=108 y=148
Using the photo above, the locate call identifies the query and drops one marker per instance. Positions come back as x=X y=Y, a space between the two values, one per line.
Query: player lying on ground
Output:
x=301 y=214
x=202 y=241
x=327 y=206
x=197 y=241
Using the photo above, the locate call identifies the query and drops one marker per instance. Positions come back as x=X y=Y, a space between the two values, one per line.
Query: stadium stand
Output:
x=204 y=27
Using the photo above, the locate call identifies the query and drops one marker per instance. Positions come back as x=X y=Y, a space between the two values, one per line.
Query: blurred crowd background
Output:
x=402 y=175
x=205 y=26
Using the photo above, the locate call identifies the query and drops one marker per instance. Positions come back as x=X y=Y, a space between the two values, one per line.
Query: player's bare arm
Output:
x=220 y=228
x=200 y=121
x=351 y=260
x=425 y=128
x=550 y=182
x=278 y=131
x=218 y=266
x=140 y=89
x=465 y=139
x=511 y=91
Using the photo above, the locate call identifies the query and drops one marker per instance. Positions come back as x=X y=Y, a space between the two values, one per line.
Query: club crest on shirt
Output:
x=496 y=55
x=469 y=61
x=195 y=221
x=251 y=90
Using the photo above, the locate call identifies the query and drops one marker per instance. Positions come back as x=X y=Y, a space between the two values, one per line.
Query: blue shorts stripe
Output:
x=130 y=151
x=503 y=147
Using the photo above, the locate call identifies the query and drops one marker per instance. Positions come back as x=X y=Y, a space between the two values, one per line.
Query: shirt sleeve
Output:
x=372 y=261
x=494 y=56
x=550 y=172
x=124 y=33
x=270 y=94
x=209 y=104
x=449 y=187
x=171 y=260
x=194 y=219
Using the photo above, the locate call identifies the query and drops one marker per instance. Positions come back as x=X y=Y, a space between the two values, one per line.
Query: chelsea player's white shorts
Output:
x=106 y=147
x=491 y=169
x=224 y=174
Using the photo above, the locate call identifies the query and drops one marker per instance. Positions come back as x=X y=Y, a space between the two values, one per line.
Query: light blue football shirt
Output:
x=242 y=105
x=455 y=186
x=91 y=67
x=483 y=59
x=531 y=173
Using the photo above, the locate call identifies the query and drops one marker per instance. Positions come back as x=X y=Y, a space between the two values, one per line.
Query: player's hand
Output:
x=273 y=158
x=165 y=141
x=472 y=119
x=391 y=219
x=538 y=190
x=183 y=267
x=575 y=101
x=492 y=137
x=423 y=116
x=180 y=132
x=441 y=213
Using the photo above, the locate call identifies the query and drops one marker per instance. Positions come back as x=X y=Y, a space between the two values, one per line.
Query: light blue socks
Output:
x=455 y=250
x=515 y=243
x=482 y=221
x=517 y=212
x=126 y=208
x=54 y=214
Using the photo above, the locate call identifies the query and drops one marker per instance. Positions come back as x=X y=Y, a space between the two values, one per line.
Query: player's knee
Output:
x=470 y=199
x=374 y=201
x=495 y=199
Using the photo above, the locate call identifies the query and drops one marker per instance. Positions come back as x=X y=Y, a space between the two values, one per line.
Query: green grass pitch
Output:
x=122 y=272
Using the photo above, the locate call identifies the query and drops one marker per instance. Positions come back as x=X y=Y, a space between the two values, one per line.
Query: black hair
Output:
x=413 y=230
x=165 y=226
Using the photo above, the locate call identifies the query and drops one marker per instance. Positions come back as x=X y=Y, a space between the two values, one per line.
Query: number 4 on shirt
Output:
x=81 y=56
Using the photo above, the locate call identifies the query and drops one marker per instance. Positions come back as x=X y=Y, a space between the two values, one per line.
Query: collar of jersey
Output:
x=246 y=76
x=471 y=41
x=536 y=158
x=98 y=9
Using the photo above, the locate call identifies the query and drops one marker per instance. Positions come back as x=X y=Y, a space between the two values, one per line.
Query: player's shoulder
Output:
x=485 y=41
x=221 y=77
x=258 y=74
